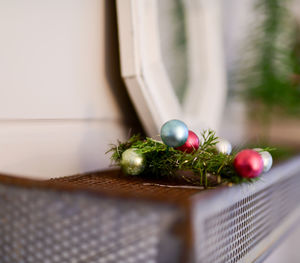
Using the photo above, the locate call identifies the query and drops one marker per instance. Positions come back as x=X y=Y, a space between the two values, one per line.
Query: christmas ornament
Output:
x=191 y=144
x=223 y=146
x=248 y=163
x=205 y=167
x=174 y=133
x=267 y=158
x=132 y=163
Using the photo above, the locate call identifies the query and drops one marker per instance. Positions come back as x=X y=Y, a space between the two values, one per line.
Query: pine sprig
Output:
x=121 y=147
x=206 y=166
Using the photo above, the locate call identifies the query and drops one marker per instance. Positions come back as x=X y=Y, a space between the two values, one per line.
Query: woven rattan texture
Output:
x=38 y=225
x=231 y=233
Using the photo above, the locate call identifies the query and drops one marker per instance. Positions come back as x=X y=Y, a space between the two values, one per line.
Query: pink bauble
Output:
x=248 y=163
x=191 y=144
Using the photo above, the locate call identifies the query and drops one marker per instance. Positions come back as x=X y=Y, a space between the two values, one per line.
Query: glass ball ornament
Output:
x=248 y=163
x=174 y=133
x=223 y=146
x=132 y=162
x=191 y=144
x=267 y=159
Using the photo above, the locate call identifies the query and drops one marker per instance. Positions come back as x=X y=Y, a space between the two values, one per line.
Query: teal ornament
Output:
x=267 y=158
x=174 y=133
x=132 y=163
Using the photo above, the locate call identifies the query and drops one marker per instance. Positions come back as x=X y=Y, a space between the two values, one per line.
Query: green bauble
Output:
x=132 y=163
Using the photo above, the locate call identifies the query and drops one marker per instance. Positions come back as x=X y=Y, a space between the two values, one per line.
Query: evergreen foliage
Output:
x=271 y=70
x=206 y=164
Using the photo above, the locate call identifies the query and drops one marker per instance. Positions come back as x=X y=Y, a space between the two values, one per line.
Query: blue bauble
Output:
x=174 y=133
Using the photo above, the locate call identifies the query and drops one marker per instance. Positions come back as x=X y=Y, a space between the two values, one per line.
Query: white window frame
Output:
x=146 y=77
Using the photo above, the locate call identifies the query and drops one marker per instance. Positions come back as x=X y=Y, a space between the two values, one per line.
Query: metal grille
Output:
x=231 y=233
x=52 y=226
x=40 y=224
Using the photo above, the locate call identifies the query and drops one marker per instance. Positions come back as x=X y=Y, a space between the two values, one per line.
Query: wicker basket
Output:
x=108 y=217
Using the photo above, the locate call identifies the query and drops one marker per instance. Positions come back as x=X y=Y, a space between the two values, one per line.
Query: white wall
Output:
x=62 y=100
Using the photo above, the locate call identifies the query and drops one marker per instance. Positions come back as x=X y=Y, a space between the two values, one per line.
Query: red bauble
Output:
x=191 y=144
x=248 y=163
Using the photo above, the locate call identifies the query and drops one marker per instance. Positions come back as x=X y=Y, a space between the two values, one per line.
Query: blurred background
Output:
x=262 y=63
x=262 y=48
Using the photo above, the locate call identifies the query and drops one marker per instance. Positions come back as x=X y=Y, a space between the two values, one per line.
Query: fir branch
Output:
x=208 y=167
x=120 y=147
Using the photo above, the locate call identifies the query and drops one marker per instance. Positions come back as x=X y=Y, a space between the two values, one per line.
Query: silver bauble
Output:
x=267 y=159
x=132 y=163
x=224 y=146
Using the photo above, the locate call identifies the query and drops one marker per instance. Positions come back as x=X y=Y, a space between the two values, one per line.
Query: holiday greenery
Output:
x=271 y=70
x=208 y=166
